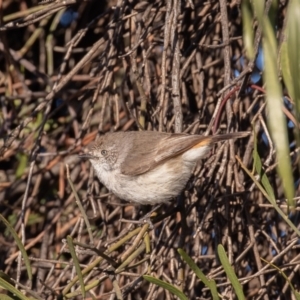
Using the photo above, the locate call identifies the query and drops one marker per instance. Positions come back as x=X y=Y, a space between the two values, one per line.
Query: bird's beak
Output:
x=86 y=156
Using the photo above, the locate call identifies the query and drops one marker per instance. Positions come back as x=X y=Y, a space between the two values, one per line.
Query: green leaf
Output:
x=285 y=68
x=248 y=33
x=23 y=159
x=12 y=289
x=276 y=117
x=76 y=264
x=210 y=283
x=263 y=176
x=296 y=294
x=293 y=46
x=272 y=201
x=6 y=297
x=259 y=6
x=20 y=246
x=174 y=290
x=230 y=273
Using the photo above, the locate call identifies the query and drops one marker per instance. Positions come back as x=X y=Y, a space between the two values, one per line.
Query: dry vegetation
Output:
x=127 y=65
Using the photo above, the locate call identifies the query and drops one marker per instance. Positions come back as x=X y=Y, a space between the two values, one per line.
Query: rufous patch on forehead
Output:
x=204 y=142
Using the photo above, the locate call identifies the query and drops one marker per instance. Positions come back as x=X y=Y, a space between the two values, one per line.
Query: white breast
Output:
x=159 y=185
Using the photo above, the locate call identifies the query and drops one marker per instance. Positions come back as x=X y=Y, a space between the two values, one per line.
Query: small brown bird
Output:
x=149 y=167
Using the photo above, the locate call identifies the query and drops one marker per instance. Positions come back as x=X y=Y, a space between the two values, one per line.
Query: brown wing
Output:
x=140 y=157
x=149 y=150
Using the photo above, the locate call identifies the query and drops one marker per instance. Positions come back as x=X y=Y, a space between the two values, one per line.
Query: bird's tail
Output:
x=229 y=136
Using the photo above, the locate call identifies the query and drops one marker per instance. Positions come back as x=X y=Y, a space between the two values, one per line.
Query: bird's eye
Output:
x=103 y=152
